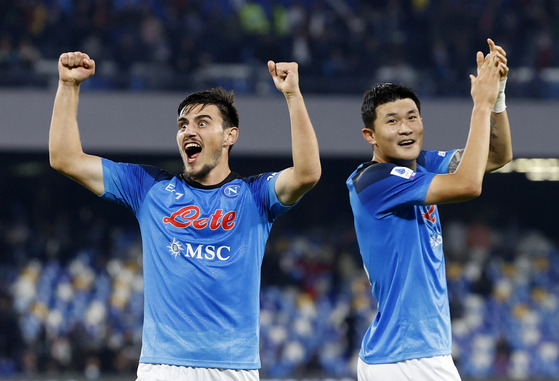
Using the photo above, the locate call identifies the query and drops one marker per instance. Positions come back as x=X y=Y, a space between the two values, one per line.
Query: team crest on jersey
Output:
x=403 y=172
x=231 y=190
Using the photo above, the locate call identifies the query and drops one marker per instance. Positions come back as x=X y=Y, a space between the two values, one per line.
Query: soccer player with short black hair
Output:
x=394 y=200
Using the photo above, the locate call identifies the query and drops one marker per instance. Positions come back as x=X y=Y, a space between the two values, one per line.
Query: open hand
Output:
x=501 y=56
x=485 y=87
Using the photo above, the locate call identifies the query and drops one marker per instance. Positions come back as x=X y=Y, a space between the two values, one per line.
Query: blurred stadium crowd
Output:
x=342 y=46
x=70 y=267
x=71 y=287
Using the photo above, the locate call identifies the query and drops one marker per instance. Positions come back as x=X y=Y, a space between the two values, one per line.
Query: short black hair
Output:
x=219 y=97
x=381 y=94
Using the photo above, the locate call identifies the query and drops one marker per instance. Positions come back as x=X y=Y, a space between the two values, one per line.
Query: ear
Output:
x=231 y=136
x=369 y=135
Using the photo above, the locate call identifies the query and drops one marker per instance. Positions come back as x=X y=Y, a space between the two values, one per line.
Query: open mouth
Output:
x=192 y=151
x=406 y=143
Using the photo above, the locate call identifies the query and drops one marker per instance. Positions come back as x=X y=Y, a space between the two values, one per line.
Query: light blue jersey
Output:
x=202 y=255
x=401 y=245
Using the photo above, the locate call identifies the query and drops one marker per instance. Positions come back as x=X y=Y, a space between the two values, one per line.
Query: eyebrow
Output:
x=412 y=111
x=182 y=118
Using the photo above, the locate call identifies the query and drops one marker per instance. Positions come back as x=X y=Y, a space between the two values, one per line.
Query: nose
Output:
x=405 y=128
x=187 y=130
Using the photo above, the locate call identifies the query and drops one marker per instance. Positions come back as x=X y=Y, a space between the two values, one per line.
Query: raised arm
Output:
x=294 y=182
x=466 y=182
x=65 y=148
x=500 y=145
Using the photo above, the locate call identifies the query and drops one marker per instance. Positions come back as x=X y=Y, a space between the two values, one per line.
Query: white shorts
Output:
x=438 y=368
x=162 y=372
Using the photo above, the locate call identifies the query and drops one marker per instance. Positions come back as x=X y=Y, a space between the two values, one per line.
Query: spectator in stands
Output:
x=243 y=31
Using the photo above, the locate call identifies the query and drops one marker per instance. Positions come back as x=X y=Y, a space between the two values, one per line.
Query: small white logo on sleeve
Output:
x=171 y=188
x=403 y=172
x=442 y=153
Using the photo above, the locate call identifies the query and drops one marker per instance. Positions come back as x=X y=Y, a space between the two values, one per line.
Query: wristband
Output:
x=500 y=105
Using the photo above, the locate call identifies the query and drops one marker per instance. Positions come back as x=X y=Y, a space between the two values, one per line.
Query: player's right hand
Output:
x=501 y=55
x=485 y=87
x=75 y=67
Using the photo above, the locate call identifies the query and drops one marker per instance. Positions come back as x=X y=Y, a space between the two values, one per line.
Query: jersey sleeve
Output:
x=385 y=188
x=436 y=161
x=263 y=188
x=127 y=184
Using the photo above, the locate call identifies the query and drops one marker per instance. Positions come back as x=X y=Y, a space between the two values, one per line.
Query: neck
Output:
x=213 y=177
x=412 y=164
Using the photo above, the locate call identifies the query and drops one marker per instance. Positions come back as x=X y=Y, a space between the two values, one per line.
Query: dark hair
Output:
x=381 y=94
x=219 y=97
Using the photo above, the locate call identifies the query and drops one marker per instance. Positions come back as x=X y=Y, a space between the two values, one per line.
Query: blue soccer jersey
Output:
x=202 y=254
x=401 y=245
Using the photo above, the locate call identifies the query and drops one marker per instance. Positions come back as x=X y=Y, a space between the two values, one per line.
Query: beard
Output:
x=204 y=170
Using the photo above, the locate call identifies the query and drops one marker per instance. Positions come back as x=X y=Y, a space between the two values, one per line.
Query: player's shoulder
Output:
x=261 y=177
x=140 y=171
x=156 y=173
x=425 y=156
x=370 y=173
x=437 y=161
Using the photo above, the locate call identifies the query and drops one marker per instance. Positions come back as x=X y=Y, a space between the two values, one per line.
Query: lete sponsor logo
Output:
x=430 y=214
x=190 y=216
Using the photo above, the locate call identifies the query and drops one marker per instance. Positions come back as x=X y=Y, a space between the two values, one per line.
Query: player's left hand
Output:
x=501 y=55
x=285 y=76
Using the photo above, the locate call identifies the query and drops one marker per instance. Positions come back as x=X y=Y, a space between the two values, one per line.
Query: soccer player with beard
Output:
x=203 y=231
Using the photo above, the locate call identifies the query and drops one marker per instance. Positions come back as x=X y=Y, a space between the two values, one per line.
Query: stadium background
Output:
x=70 y=268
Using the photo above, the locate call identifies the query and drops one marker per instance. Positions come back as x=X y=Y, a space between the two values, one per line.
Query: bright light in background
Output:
x=535 y=169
